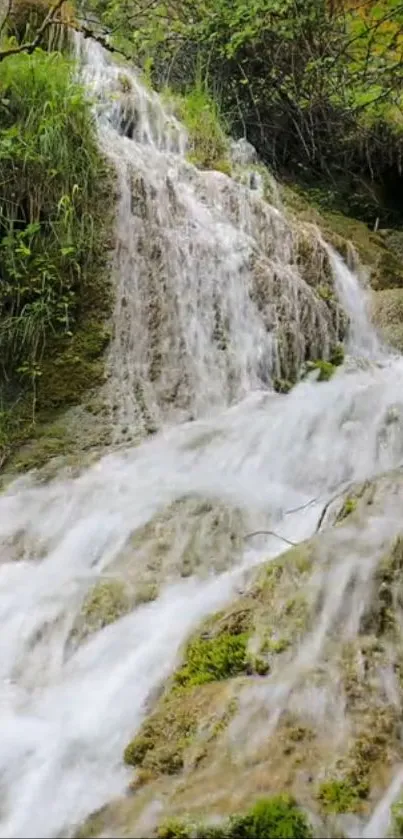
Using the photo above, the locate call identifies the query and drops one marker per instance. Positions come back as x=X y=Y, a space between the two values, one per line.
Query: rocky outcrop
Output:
x=295 y=687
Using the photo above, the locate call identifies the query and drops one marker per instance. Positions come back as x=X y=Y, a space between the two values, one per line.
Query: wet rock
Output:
x=243 y=153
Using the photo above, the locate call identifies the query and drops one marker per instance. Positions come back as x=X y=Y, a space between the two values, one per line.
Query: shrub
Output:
x=270 y=818
x=52 y=233
x=338 y=796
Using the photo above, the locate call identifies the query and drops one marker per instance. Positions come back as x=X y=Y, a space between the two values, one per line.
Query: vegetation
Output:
x=208 y=141
x=315 y=86
x=338 y=796
x=212 y=659
x=53 y=296
x=397 y=820
x=278 y=818
x=350 y=504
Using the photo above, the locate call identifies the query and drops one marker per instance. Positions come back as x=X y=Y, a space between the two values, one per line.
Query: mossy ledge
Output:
x=278 y=817
x=56 y=300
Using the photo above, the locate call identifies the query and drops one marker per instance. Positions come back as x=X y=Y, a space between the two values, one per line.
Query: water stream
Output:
x=225 y=436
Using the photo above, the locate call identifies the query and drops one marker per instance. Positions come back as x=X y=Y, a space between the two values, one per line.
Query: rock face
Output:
x=295 y=687
x=243 y=153
x=387 y=310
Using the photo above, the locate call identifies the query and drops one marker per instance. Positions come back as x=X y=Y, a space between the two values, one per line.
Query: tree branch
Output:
x=270 y=533
x=33 y=45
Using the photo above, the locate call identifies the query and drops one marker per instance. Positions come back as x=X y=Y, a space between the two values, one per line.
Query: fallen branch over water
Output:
x=270 y=533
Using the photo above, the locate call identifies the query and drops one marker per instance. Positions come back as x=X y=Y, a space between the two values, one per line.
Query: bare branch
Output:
x=270 y=533
x=32 y=45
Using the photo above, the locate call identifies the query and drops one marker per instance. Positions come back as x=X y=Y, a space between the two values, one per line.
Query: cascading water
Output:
x=188 y=334
x=211 y=300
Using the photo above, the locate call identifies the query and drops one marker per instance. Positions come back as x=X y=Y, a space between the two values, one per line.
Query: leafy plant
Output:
x=51 y=235
x=338 y=796
x=278 y=817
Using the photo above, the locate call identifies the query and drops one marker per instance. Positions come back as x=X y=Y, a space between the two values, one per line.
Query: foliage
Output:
x=348 y=507
x=326 y=369
x=213 y=659
x=397 y=819
x=51 y=234
x=278 y=817
x=200 y=114
x=338 y=796
x=315 y=86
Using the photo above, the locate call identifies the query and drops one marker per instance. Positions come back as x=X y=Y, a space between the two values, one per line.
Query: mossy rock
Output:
x=167 y=734
x=106 y=603
x=380 y=253
x=349 y=506
x=213 y=659
x=278 y=817
x=338 y=796
x=387 y=313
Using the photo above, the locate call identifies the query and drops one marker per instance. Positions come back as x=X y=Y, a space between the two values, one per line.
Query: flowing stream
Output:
x=182 y=262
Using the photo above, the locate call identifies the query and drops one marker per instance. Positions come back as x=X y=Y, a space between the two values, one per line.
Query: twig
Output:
x=32 y=45
x=302 y=507
x=270 y=533
x=328 y=503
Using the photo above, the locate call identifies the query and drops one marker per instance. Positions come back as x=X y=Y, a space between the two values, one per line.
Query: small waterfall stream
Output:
x=194 y=353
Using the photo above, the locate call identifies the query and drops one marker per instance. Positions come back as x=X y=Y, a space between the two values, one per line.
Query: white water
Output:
x=66 y=713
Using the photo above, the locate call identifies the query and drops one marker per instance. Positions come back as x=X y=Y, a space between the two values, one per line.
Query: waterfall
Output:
x=211 y=304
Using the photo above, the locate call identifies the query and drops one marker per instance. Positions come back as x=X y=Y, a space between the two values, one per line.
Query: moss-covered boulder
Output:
x=104 y=604
x=387 y=308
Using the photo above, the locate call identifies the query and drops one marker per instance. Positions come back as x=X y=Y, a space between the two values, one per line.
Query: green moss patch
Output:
x=55 y=223
x=213 y=659
x=106 y=603
x=209 y=146
x=278 y=817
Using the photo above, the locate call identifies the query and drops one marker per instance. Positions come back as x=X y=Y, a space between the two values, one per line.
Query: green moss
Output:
x=326 y=369
x=397 y=820
x=213 y=659
x=350 y=504
x=338 y=796
x=278 y=817
x=174 y=829
x=380 y=617
x=93 y=826
x=208 y=143
x=337 y=355
x=104 y=605
x=163 y=738
x=276 y=646
x=56 y=298
x=282 y=385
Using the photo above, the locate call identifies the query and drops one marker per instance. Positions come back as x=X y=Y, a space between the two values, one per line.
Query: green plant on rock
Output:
x=326 y=369
x=278 y=817
x=348 y=507
x=338 y=796
x=397 y=820
x=163 y=738
x=52 y=232
x=106 y=603
x=337 y=355
x=208 y=142
x=213 y=659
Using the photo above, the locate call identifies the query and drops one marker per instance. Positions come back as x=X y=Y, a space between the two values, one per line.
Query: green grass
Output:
x=207 y=138
x=53 y=237
x=278 y=817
